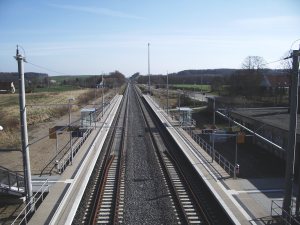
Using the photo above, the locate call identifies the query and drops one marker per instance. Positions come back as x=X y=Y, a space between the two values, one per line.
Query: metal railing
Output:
x=65 y=161
x=230 y=168
x=30 y=207
x=286 y=217
x=11 y=181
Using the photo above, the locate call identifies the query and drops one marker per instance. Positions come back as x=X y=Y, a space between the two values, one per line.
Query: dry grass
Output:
x=43 y=111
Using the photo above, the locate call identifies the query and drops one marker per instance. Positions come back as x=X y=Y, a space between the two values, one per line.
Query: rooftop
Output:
x=276 y=117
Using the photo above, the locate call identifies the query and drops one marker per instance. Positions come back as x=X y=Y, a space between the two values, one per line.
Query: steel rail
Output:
x=106 y=164
x=184 y=217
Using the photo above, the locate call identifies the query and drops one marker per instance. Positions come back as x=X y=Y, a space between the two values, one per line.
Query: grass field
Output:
x=197 y=87
x=57 y=88
x=60 y=79
x=47 y=105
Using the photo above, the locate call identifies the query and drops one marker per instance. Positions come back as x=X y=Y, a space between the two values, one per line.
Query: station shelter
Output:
x=185 y=115
x=87 y=117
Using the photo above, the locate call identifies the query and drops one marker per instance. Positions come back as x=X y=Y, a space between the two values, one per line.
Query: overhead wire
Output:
x=45 y=68
x=279 y=60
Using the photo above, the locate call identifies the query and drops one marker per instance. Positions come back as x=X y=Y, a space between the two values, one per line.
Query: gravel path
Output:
x=146 y=198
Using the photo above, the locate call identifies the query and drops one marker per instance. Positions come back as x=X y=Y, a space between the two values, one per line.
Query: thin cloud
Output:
x=97 y=10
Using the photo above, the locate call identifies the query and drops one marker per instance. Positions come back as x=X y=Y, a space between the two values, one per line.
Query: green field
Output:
x=57 y=88
x=196 y=87
x=60 y=79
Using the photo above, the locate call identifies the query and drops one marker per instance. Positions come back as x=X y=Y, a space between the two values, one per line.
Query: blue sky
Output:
x=91 y=37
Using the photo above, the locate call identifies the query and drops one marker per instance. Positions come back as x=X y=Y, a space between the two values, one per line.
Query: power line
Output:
x=293 y=44
x=45 y=68
x=279 y=60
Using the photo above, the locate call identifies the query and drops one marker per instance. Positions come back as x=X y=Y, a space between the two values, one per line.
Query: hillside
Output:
x=13 y=77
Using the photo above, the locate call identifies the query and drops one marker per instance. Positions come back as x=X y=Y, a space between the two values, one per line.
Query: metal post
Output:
x=56 y=144
x=290 y=153
x=213 y=147
x=235 y=155
x=179 y=93
x=149 y=84
x=24 y=133
x=102 y=96
x=95 y=98
x=214 y=112
x=70 y=132
x=167 y=93
x=194 y=96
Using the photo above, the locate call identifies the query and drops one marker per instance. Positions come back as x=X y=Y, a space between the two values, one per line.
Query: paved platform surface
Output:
x=66 y=190
x=247 y=201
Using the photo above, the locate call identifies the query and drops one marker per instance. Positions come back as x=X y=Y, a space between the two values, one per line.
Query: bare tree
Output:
x=253 y=63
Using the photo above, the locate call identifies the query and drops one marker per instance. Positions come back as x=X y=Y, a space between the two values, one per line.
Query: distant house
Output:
x=274 y=82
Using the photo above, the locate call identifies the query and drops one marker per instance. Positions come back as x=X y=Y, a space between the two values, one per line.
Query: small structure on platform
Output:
x=185 y=116
x=7 y=87
x=87 y=117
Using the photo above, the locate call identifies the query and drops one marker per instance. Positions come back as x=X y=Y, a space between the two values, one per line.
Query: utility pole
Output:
x=102 y=96
x=167 y=93
x=95 y=99
x=70 y=130
x=179 y=95
x=24 y=133
x=214 y=112
x=235 y=155
x=149 y=84
x=290 y=152
x=194 y=95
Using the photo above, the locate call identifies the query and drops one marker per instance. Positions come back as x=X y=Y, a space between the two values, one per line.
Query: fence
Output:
x=285 y=217
x=11 y=182
x=27 y=211
x=66 y=160
x=230 y=168
x=215 y=155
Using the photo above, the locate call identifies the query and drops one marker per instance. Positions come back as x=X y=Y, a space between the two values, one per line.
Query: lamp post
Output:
x=71 y=144
x=194 y=95
x=149 y=84
x=167 y=93
x=291 y=148
x=235 y=156
x=102 y=95
x=24 y=132
x=214 y=112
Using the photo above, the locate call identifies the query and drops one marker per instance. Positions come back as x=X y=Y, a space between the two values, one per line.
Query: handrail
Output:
x=286 y=217
x=215 y=155
x=14 y=180
x=30 y=206
x=64 y=162
x=253 y=132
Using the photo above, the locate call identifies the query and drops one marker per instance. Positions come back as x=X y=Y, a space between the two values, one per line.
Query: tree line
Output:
x=247 y=81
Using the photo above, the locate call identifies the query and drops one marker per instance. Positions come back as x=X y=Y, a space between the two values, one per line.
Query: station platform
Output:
x=67 y=189
x=246 y=201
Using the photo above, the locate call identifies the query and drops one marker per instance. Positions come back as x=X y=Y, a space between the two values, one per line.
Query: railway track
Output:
x=106 y=201
x=106 y=198
x=187 y=209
